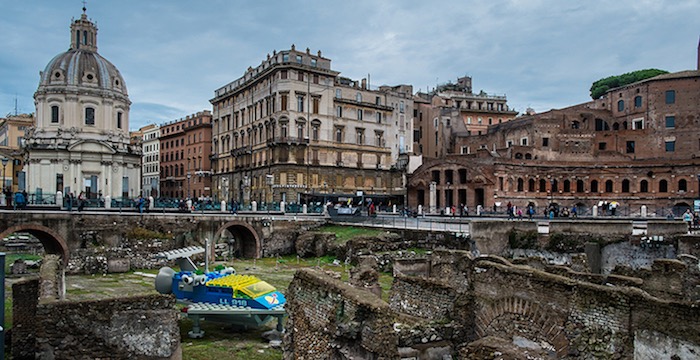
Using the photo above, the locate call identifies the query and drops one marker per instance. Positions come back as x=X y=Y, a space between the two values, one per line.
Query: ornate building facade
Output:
x=12 y=130
x=81 y=139
x=635 y=146
x=293 y=130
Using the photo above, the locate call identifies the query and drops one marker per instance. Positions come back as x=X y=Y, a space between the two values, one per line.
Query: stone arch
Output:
x=496 y=318
x=247 y=243
x=53 y=242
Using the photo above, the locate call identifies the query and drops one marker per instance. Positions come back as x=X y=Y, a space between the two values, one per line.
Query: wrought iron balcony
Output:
x=287 y=140
x=244 y=150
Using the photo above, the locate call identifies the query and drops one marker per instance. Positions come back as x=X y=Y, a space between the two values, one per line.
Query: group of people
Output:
x=17 y=200
x=692 y=219
x=70 y=200
x=550 y=211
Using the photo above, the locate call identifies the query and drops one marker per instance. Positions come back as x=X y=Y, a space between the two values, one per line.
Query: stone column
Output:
x=433 y=200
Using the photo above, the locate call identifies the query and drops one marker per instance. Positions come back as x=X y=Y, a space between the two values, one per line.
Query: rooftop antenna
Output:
x=15 y=104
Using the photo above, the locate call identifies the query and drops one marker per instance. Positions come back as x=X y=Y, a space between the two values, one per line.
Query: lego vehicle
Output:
x=220 y=295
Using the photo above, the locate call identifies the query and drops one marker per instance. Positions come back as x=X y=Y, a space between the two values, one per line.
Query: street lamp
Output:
x=189 y=177
x=4 y=164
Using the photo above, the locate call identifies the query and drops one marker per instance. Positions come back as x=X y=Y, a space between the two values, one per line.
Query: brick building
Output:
x=637 y=145
x=293 y=130
x=454 y=110
x=12 y=130
x=185 y=150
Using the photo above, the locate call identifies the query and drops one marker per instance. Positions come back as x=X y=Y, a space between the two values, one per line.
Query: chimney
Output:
x=364 y=84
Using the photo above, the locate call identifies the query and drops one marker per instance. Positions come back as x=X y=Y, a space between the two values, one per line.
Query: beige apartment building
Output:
x=292 y=129
x=12 y=131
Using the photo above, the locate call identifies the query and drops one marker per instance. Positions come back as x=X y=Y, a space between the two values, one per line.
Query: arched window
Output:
x=621 y=105
x=579 y=186
x=555 y=185
x=601 y=125
x=531 y=185
x=567 y=186
x=625 y=186
x=89 y=116
x=54 y=114
x=682 y=185
x=609 y=186
x=637 y=101
x=518 y=155
x=663 y=186
x=520 y=185
x=643 y=186
x=84 y=37
x=594 y=186
x=528 y=156
x=575 y=124
x=616 y=126
x=543 y=185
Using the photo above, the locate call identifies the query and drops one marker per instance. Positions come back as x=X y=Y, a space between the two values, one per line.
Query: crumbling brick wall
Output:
x=141 y=327
x=425 y=298
x=329 y=319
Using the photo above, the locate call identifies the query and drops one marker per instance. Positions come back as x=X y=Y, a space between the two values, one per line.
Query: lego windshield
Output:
x=257 y=289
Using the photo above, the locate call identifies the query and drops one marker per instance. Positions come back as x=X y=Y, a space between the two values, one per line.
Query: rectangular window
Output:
x=315 y=78
x=285 y=58
x=300 y=103
x=360 y=136
x=339 y=111
x=602 y=145
x=670 y=122
x=359 y=114
x=119 y=120
x=339 y=134
x=638 y=124
x=284 y=102
x=298 y=59
x=401 y=107
x=283 y=74
x=378 y=101
x=670 y=146
x=630 y=147
x=300 y=76
x=54 y=114
x=316 y=105
x=545 y=142
x=313 y=63
x=523 y=141
x=89 y=116
x=338 y=93
x=379 y=117
x=670 y=96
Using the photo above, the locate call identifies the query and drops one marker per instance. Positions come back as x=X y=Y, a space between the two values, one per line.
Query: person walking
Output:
x=81 y=201
x=140 y=203
x=688 y=218
x=69 y=201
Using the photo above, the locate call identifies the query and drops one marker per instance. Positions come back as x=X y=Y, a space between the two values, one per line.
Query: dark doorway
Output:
x=479 y=196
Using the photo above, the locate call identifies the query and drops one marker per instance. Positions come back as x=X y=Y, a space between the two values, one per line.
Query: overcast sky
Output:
x=173 y=54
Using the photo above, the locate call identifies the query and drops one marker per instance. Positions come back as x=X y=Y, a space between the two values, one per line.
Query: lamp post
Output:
x=189 y=177
x=4 y=164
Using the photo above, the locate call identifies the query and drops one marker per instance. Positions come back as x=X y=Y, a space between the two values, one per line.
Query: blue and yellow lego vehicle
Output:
x=220 y=295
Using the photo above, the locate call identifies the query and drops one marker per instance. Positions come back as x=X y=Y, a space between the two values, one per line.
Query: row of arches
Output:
x=594 y=186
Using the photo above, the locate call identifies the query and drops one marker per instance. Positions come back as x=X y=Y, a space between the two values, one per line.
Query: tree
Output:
x=600 y=87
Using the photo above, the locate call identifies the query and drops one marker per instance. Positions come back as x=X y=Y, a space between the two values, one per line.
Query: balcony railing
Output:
x=244 y=150
x=288 y=140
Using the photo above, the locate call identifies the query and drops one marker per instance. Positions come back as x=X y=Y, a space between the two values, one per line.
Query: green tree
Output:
x=600 y=87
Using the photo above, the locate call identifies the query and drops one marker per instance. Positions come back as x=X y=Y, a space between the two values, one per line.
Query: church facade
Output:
x=81 y=139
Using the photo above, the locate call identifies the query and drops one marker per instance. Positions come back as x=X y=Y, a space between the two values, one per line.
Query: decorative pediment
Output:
x=92 y=146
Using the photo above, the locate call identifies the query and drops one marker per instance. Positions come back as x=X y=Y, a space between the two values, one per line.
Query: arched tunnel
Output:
x=50 y=240
x=241 y=240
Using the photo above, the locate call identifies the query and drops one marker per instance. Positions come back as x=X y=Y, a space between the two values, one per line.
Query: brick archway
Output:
x=497 y=319
x=53 y=242
x=248 y=241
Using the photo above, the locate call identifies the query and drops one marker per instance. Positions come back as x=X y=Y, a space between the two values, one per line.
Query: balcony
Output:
x=244 y=150
x=287 y=140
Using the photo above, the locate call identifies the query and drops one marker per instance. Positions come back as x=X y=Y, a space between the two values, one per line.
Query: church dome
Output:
x=81 y=66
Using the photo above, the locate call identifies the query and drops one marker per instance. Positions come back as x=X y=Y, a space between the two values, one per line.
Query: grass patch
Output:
x=345 y=233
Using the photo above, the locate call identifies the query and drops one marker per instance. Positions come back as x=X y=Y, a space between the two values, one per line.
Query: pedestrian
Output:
x=8 y=197
x=530 y=212
x=19 y=200
x=520 y=214
x=688 y=218
x=453 y=210
x=69 y=201
x=140 y=203
x=81 y=201
x=465 y=210
x=574 y=212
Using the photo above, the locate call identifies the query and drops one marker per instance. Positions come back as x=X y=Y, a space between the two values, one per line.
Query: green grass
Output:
x=11 y=258
x=345 y=233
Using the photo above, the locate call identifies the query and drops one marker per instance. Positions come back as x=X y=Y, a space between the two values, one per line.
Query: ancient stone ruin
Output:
x=470 y=307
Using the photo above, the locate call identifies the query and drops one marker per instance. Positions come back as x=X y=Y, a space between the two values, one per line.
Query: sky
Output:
x=173 y=54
